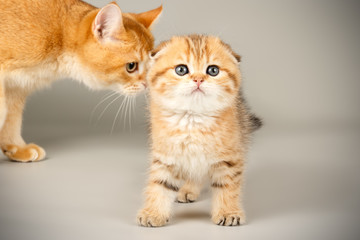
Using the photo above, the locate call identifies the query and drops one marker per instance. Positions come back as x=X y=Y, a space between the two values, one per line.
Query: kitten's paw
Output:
x=151 y=219
x=229 y=218
x=28 y=153
x=186 y=196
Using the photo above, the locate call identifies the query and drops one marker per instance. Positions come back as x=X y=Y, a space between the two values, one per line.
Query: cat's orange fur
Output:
x=200 y=127
x=41 y=41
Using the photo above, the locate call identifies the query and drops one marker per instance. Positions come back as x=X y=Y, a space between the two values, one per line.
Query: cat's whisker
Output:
x=102 y=113
x=134 y=105
x=117 y=114
x=109 y=93
x=130 y=111
x=104 y=98
x=125 y=111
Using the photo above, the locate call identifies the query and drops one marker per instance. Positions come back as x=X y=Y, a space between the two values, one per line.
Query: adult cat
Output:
x=41 y=41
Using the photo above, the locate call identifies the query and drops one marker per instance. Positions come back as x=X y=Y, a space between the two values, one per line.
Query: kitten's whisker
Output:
x=102 y=113
x=105 y=97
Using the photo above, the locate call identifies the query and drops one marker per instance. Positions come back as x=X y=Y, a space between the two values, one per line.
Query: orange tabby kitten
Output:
x=41 y=41
x=200 y=127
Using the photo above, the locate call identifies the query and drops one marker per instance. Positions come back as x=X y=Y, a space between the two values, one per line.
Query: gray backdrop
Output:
x=300 y=59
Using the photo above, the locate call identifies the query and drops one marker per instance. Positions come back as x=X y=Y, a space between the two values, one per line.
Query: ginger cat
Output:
x=200 y=127
x=41 y=41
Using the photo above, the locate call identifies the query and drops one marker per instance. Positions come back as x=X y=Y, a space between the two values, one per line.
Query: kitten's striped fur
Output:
x=196 y=134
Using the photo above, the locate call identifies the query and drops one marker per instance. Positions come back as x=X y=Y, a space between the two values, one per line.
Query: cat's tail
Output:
x=256 y=122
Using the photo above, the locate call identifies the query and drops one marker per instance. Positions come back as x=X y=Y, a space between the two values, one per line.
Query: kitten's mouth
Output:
x=197 y=90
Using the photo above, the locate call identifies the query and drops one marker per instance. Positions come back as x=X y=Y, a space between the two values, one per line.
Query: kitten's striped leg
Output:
x=189 y=192
x=226 y=181
x=160 y=194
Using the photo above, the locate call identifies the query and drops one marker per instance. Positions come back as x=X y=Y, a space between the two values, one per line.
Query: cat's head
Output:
x=194 y=73
x=114 y=48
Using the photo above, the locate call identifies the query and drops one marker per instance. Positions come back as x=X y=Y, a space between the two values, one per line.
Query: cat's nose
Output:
x=198 y=81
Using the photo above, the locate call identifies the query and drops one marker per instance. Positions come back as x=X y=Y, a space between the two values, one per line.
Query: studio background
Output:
x=301 y=68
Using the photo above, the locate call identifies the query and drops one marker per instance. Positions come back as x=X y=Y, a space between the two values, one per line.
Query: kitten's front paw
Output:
x=229 y=218
x=186 y=197
x=27 y=153
x=151 y=219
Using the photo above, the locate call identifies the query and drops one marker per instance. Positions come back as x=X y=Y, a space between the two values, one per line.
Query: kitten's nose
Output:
x=198 y=80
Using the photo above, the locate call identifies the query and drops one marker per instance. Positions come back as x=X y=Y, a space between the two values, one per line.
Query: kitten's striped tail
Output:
x=256 y=122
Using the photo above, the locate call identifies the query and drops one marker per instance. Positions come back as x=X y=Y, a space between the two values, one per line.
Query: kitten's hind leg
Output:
x=189 y=192
x=11 y=142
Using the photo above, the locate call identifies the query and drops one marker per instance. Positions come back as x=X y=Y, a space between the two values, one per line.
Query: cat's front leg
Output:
x=11 y=142
x=3 y=108
x=159 y=195
x=226 y=183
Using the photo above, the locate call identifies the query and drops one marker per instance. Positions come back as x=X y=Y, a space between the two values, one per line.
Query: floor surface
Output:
x=299 y=185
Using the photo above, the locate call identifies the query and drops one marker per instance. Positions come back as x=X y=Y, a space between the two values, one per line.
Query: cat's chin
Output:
x=132 y=92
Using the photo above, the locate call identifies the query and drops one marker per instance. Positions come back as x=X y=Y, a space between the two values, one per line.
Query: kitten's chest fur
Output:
x=189 y=142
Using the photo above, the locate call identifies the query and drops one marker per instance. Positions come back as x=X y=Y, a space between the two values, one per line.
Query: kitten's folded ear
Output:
x=234 y=54
x=148 y=18
x=156 y=51
x=237 y=56
x=108 y=22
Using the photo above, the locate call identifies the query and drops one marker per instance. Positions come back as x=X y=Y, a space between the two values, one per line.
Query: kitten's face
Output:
x=194 y=73
x=117 y=48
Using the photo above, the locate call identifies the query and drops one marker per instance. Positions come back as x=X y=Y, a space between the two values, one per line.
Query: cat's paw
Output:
x=186 y=196
x=151 y=219
x=229 y=218
x=28 y=153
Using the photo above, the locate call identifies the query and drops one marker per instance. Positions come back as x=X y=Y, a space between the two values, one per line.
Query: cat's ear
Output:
x=148 y=18
x=108 y=22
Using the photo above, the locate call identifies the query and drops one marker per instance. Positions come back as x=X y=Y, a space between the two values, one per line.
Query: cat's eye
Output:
x=131 y=67
x=213 y=70
x=181 y=70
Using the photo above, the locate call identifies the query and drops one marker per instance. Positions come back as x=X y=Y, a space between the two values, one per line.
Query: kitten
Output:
x=41 y=41
x=200 y=126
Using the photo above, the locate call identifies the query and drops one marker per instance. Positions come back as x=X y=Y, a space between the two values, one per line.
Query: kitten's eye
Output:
x=131 y=67
x=213 y=70
x=181 y=70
